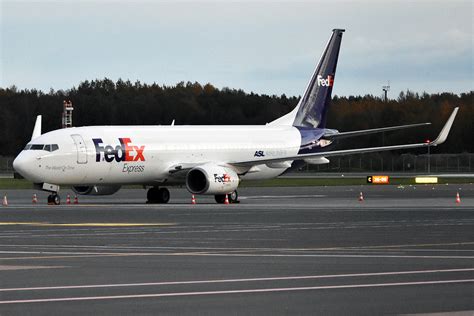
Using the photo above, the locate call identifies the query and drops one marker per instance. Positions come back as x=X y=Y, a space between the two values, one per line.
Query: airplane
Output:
x=209 y=160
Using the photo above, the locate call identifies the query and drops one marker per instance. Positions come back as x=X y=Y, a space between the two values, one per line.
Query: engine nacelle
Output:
x=212 y=179
x=96 y=189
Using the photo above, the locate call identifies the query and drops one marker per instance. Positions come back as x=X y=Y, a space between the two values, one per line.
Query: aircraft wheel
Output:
x=234 y=197
x=152 y=195
x=163 y=195
x=158 y=195
x=54 y=199
x=220 y=198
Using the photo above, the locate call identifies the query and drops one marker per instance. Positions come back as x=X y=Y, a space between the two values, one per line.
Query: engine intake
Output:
x=212 y=179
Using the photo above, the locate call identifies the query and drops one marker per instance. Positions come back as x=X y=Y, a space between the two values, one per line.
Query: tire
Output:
x=56 y=199
x=220 y=198
x=163 y=195
x=50 y=199
x=234 y=197
x=158 y=195
x=152 y=195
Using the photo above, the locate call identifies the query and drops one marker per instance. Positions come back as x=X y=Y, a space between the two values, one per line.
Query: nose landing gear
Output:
x=54 y=199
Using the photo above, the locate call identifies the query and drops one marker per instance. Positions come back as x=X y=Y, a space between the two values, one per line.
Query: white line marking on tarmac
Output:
x=281 y=196
x=325 y=255
x=376 y=247
x=223 y=254
x=285 y=278
x=287 y=289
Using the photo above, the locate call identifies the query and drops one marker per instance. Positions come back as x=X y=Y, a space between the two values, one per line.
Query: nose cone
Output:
x=21 y=164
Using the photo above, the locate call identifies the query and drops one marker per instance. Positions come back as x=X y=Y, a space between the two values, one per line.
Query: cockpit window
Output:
x=36 y=147
x=49 y=147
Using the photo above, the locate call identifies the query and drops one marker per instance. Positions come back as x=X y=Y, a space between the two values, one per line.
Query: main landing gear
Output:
x=233 y=197
x=54 y=199
x=158 y=195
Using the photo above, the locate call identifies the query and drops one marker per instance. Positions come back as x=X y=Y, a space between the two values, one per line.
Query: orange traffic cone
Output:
x=5 y=201
x=458 y=198
x=226 y=201
x=76 y=200
x=193 y=199
x=35 y=199
x=361 y=197
x=68 y=199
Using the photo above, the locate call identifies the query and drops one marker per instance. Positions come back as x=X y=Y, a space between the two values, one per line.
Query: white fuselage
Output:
x=151 y=152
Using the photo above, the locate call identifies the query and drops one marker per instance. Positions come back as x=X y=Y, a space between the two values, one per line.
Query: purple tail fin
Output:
x=314 y=104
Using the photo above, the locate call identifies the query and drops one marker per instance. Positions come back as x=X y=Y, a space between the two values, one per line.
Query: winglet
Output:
x=445 y=131
x=37 y=128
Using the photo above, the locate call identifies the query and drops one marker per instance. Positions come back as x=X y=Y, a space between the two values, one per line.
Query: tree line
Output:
x=105 y=102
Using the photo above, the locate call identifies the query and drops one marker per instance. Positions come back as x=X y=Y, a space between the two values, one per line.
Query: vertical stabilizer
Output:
x=314 y=104
x=37 y=128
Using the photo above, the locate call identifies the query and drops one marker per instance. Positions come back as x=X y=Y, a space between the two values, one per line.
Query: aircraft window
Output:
x=54 y=147
x=47 y=147
x=27 y=147
x=37 y=147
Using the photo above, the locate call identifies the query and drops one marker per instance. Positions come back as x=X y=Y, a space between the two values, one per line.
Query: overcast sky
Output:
x=266 y=47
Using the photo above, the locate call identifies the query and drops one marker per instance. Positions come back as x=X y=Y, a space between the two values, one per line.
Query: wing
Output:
x=439 y=140
x=339 y=135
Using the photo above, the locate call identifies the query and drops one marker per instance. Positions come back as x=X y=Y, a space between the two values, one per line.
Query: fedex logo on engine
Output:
x=123 y=152
x=221 y=179
x=328 y=82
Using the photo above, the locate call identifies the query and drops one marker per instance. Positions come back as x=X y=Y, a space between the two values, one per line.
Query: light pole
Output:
x=385 y=90
x=429 y=162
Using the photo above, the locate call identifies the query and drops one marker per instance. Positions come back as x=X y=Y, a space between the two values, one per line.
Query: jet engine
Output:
x=96 y=189
x=212 y=179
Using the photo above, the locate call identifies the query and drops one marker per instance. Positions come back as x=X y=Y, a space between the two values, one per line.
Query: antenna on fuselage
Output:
x=67 y=114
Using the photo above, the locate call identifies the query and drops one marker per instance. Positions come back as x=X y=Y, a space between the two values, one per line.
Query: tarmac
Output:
x=281 y=251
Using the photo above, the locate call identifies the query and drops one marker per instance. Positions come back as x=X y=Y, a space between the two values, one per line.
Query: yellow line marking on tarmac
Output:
x=66 y=257
x=46 y=224
x=14 y=268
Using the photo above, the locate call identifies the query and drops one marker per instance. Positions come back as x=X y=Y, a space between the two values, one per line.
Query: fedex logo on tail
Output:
x=123 y=152
x=328 y=82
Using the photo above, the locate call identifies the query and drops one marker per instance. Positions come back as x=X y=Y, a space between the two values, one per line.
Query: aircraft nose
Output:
x=20 y=164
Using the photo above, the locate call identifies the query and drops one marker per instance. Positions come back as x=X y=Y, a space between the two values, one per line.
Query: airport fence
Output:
x=405 y=163
x=6 y=165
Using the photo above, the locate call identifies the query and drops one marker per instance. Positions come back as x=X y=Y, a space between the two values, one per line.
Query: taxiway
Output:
x=298 y=251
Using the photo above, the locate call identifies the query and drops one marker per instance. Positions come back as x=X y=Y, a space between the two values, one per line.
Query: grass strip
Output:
x=18 y=184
